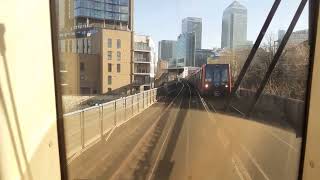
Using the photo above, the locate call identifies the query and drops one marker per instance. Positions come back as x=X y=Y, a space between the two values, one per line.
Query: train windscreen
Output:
x=217 y=75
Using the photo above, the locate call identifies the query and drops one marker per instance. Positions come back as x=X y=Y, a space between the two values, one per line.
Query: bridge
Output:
x=174 y=133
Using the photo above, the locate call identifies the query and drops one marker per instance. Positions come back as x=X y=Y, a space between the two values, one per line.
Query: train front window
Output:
x=224 y=75
x=217 y=76
x=209 y=74
x=164 y=115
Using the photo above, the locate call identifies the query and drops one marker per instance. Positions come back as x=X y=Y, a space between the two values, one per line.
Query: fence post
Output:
x=132 y=105
x=82 y=129
x=115 y=113
x=125 y=109
x=152 y=95
x=101 y=119
x=143 y=99
x=138 y=99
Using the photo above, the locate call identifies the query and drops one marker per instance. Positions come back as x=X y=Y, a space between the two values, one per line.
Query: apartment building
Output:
x=96 y=40
x=105 y=55
x=143 y=62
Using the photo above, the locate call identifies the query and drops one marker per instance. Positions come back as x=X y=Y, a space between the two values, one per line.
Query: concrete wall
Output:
x=276 y=108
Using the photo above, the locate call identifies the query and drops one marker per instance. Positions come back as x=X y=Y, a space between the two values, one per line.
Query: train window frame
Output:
x=313 y=25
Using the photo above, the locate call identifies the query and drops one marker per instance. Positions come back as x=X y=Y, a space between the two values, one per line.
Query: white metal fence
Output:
x=87 y=126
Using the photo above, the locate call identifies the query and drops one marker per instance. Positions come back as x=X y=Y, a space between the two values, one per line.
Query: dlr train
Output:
x=212 y=80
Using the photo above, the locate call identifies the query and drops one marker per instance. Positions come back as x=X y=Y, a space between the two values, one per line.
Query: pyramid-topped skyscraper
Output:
x=234 y=26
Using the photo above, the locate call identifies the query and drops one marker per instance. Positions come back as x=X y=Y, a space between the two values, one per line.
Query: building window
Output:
x=82 y=66
x=109 y=80
x=118 y=43
x=109 y=55
x=109 y=89
x=118 y=68
x=109 y=67
x=109 y=43
x=118 y=56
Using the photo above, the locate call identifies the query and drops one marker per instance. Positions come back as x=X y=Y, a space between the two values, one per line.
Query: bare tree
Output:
x=290 y=75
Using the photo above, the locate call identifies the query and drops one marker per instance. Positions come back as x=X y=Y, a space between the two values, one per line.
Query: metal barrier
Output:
x=83 y=128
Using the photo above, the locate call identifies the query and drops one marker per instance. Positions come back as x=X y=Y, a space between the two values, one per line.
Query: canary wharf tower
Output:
x=234 y=26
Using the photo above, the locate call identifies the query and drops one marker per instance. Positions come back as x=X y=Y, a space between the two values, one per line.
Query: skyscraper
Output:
x=185 y=52
x=167 y=49
x=234 y=26
x=193 y=24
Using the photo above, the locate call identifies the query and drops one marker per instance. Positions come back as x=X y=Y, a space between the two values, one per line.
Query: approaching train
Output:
x=212 y=79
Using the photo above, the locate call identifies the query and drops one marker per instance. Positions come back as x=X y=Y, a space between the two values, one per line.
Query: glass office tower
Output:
x=185 y=50
x=193 y=25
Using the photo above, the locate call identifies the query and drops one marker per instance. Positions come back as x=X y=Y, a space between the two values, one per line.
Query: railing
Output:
x=141 y=82
x=141 y=71
x=85 y=127
x=145 y=60
x=142 y=46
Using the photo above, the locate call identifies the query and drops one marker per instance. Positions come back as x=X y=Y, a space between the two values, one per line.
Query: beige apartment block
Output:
x=97 y=63
x=116 y=59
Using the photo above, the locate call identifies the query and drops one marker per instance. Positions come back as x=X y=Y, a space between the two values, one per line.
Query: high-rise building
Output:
x=234 y=26
x=202 y=55
x=193 y=25
x=166 y=50
x=185 y=50
x=281 y=34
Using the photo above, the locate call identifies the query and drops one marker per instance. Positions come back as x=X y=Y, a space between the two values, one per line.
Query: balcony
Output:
x=145 y=72
x=141 y=82
x=139 y=46
x=142 y=60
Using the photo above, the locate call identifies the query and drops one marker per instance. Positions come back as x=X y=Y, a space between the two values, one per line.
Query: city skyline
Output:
x=173 y=12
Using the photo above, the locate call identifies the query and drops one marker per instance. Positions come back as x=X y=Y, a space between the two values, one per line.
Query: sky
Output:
x=161 y=19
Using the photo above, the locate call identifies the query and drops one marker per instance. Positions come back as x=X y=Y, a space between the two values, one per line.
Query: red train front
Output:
x=213 y=80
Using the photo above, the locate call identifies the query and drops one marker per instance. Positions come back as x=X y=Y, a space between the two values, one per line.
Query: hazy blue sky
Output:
x=161 y=19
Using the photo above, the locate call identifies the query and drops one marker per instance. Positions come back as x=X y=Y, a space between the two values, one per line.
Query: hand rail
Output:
x=77 y=123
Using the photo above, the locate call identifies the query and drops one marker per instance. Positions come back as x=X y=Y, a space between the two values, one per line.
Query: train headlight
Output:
x=226 y=86
x=207 y=85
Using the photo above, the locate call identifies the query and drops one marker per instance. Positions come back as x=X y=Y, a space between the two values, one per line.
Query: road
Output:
x=189 y=137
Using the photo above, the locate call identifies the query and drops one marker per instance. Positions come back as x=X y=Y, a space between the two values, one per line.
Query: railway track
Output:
x=143 y=160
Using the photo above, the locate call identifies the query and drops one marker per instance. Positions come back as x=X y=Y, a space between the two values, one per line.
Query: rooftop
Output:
x=236 y=5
